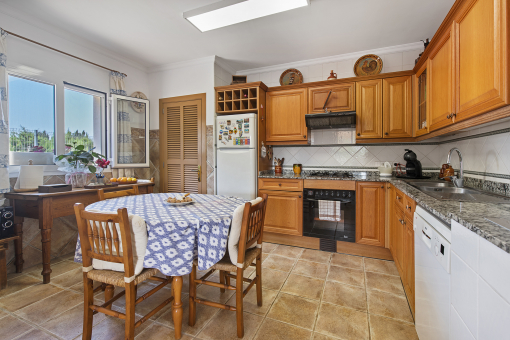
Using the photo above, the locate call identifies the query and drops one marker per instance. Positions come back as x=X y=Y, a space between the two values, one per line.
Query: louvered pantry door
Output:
x=183 y=152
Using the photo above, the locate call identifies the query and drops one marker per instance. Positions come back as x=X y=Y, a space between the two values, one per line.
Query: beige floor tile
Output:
x=36 y=334
x=19 y=283
x=381 y=266
x=114 y=329
x=158 y=332
x=250 y=301
x=224 y=326
x=204 y=315
x=345 y=295
x=28 y=296
x=79 y=287
x=315 y=256
x=268 y=247
x=272 y=279
x=281 y=263
x=382 y=328
x=214 y=294
x=264 y=256
x=275 y=330
x=386 y=283
x=295 y=310
x=319 y=336
x=45 y=309
x=312 y=269
x=348 y=261
x=348 y=323
x=346 y=275
x=287 y=251
x=2 y=314
x=12 y=327
x=69 y=325
x=303 y=286
x=389 y=305
x=57 y=268
x=69 y=278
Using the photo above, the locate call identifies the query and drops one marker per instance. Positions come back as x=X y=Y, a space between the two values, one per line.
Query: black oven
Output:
x=330 y=214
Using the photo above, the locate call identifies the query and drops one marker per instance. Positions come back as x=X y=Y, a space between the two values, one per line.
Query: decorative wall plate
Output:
x=138 y=107
x=368 y=65
x=291 y=77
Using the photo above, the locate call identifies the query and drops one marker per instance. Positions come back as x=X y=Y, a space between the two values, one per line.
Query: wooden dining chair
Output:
x=102 y=195
x=108 y=237
x=251 y=234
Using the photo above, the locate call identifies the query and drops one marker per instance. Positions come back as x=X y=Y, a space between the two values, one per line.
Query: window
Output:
x=31 y=121
x=85 y=118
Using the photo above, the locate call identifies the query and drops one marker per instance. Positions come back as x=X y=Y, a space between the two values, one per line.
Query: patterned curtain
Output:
x=4 y=120
x=124 y=139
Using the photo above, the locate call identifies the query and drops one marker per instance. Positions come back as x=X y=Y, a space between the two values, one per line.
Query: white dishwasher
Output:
x=432 y=239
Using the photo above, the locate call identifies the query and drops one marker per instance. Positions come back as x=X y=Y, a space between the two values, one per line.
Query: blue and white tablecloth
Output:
x=178 y=234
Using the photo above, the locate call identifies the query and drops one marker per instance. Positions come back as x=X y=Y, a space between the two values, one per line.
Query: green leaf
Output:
x=92 y=168
x=80 y=147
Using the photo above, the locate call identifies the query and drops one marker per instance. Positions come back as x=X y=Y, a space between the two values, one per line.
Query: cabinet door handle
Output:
x=304 y=136
x=280 y=184
x=407 y=207
x=359 y=134
x=398 y=198
x=382 y=186
x=385 y=133
x=448 y=116
x=299 y=196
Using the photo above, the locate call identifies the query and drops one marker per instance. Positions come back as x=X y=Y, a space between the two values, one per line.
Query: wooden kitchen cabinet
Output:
x=397 y=107
x=285 y=115
x=369 y=109
x=408 y=259
x=441 y=82
x=284 y=212
x=421 y=108
x=397 y=238
x=370 y=213
x=341 y=99
x=481 y=59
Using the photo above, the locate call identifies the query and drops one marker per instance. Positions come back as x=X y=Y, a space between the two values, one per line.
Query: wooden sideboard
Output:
x=47 y=206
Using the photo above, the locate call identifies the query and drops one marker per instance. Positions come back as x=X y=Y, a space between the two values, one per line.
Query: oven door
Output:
x=331 y=219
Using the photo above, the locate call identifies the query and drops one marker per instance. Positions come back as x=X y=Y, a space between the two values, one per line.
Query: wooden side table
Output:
x=4 y=245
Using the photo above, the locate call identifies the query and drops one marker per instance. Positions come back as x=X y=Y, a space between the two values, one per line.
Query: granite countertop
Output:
x=470 y=215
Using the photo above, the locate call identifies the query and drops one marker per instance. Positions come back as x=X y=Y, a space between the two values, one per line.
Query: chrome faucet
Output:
x=457 y=181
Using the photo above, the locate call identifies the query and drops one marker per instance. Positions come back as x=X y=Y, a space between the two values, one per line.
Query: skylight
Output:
x=230 y=12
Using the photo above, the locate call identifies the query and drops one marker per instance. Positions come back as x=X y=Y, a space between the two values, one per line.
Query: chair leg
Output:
x=258 y=267
x=239 y=302
x=192 y=296
x=129 y=333
x=222 y=280
x=227 y=280
x=88 y=291
x=108 y=294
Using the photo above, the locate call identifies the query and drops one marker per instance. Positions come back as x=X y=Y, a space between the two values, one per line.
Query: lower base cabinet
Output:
x=370 y=213
x=284 y=213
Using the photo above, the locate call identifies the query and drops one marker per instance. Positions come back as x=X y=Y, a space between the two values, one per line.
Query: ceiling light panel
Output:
x=239 y=12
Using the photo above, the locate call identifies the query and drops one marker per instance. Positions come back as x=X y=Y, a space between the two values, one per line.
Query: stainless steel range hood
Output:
x=331 y=120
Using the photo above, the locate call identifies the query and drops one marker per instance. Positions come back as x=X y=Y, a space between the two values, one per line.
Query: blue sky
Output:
x=36 y=110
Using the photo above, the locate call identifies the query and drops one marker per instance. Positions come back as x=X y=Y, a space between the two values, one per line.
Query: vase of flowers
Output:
x=102 y=163
x=76 y=162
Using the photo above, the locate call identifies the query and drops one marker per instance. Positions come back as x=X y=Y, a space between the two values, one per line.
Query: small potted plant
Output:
x=102 y=163
x=76 y=163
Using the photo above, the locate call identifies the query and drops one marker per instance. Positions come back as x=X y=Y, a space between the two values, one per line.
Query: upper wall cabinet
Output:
x=421 y=109
x=341 y=98
x=397 y=107
x=481 y=29
x=286 y=111
x=441 y=82
x=369 y=109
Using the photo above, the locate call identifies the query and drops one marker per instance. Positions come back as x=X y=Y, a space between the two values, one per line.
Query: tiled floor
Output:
x=307 y=294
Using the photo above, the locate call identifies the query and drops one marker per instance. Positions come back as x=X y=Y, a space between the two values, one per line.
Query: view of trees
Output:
x=23 y=140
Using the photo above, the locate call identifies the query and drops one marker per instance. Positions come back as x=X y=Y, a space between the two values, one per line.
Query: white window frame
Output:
x=104 y=122
x=113 y=136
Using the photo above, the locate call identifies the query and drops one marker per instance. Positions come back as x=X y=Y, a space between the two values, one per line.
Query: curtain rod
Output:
x=59 y=51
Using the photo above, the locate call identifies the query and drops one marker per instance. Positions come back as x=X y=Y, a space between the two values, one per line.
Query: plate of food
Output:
x=179 y=200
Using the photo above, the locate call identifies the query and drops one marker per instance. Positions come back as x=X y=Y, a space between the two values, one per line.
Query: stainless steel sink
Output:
x=446 y=191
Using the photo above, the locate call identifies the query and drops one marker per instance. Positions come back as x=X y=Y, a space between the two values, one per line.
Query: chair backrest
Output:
x=102 y=195
x=252 y=226
x=100 y=239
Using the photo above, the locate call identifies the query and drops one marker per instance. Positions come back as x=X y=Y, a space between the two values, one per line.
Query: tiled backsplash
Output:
x=485 y=151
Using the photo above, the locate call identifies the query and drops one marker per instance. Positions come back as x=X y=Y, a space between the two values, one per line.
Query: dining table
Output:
x=178 y=234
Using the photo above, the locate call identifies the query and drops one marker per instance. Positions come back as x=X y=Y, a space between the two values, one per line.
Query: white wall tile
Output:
x=392 y=60
x=312 y=79
x=407 y=67
x=409 y=57
x=266 y=77
x=465 y=245
x=495 y=268
x=493 y=314
x=458 y=329
x=315 y=71
x=463 y=292
x=388 y=69
x=253 y=77
x=345 y=67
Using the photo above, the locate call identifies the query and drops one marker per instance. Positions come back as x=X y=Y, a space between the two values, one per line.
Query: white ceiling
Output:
x=153 y=32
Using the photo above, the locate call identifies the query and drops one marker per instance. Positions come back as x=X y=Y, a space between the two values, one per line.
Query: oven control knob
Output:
x=310 y=192
x=338 y=193
x=344 y=194
x=321 y=193
x=349 y=194
x=326 y=193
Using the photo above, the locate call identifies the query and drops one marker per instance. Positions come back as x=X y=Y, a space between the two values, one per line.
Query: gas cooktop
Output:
x=332 y=174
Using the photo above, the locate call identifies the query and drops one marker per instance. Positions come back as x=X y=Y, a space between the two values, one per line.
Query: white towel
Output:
x=330 y=211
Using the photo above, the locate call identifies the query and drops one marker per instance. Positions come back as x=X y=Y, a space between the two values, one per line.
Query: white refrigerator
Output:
x=236 y=140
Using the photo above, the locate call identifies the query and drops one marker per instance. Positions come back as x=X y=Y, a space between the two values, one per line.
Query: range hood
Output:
x=331 y=120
